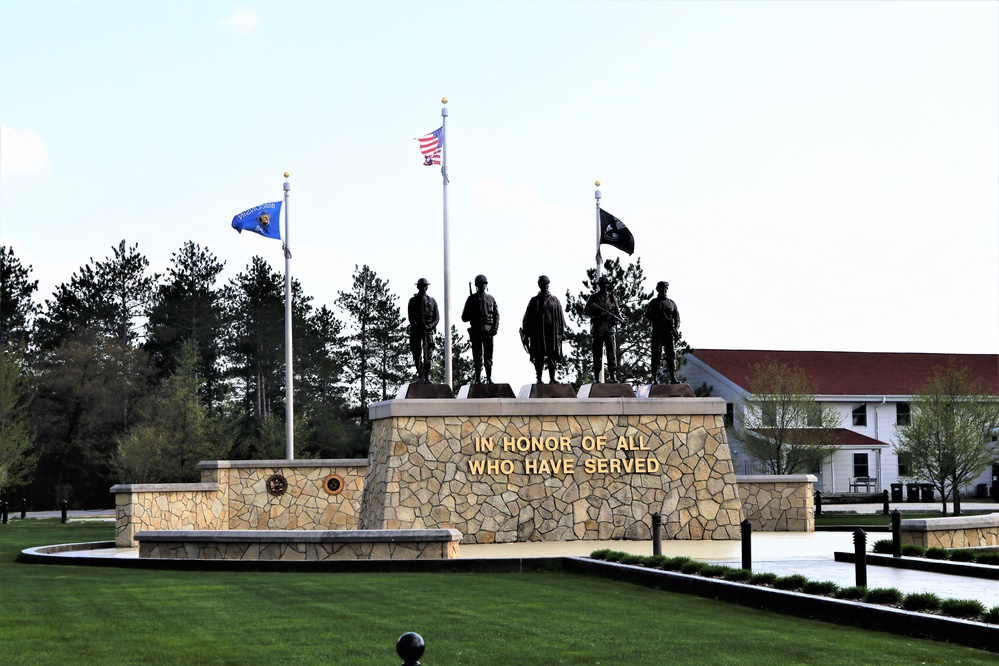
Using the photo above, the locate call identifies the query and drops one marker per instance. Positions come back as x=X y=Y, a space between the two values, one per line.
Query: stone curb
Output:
x=969 y=569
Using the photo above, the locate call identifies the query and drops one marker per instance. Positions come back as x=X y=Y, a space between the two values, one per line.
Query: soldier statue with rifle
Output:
x=481 y=313
x=604 y=313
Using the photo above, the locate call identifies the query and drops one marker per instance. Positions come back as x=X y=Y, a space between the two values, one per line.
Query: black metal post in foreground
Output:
x=410 y=647
x=65 y=507
x=657 y=534
x=746 y=528
x=818 y=502
x=860 y=555
x=896 y=534
x=3 y=511
x=24 y=508
x=885 y=510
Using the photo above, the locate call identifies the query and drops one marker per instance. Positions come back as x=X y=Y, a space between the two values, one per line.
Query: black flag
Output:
x=614 y=233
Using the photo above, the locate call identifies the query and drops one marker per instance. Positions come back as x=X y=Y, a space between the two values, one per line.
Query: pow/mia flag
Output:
x=264 y=219
x=614 y=233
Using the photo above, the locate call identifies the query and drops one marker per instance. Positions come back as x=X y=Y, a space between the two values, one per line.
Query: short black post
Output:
x=65 y=507
x=957 y=502
x=896 y=534
x=657 y=534
x=410 y=647
x=746 y=528
x=3 y=511
x=885 y=511
x=860 y=555
x=24 y=508
x=818 y=502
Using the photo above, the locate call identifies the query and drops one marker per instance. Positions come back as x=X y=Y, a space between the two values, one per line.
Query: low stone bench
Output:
x=437 y=544
x=956 y=532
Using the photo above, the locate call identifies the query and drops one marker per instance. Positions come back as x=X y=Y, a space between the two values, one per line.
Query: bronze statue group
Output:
x=543 y=330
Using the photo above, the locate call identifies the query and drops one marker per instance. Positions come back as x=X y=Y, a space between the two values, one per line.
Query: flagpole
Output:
x=600 y=259
x=289 y=412
x=447 y=252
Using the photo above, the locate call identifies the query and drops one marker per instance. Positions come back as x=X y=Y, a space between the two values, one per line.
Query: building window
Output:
x=813 y=416
x=903 y=414
x=904 y=464
x=860 y=464
x=860 y=416
x=729 y=414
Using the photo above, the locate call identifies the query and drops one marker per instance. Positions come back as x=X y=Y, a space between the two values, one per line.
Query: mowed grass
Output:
x=91 y=615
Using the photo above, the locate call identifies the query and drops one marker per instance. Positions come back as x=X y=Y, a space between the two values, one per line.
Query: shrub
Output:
x=991 y=615
x=614 y=556
x=823 y=587
x=921 y=601
x=600 y=554
x=912 y=550
x=691 y=567
x=882 y=546
x=763 y=578
x=987 y=558
x=713 y=570
x=738 y=575
x=883 y=595
x=792 y=582
x=850 y=593
x=656 y=561
x=936 y=554
x=962 y=556
x=633 y=560
x=675 y=563
x=966 y=608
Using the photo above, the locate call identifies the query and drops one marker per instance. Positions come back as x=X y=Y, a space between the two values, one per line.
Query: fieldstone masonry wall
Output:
x=778 y=503
x=550 y=470
x=955 y=532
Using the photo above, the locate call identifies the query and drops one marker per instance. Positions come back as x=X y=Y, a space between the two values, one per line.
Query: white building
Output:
x=871 y=392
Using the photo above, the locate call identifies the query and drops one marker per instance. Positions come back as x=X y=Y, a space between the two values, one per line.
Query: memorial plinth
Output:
x=502 y=470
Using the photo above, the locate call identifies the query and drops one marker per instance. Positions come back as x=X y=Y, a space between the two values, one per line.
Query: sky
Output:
x=806 y=175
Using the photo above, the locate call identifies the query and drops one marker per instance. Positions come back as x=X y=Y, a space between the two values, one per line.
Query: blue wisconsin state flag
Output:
x=264 y=219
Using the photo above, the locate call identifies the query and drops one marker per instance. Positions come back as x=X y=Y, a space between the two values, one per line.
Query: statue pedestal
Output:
x=606 y=391
x=528 y=391
x=424 y=391
x=486 y=391
x=666 y=391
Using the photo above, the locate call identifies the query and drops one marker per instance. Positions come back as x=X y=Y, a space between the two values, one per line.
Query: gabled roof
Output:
x=840 y=437
x=855 y=373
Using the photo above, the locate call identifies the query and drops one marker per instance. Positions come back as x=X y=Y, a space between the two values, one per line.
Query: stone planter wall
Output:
x=552 y=470
x=778 y=503
x=956 y=532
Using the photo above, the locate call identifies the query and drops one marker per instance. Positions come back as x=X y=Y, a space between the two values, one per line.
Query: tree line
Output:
x=124 y=375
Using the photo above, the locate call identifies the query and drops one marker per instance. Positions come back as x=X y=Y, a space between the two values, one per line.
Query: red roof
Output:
x=855 y=373
x=841 y=436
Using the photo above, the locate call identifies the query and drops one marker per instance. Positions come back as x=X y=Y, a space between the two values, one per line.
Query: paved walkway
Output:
x=782 y=553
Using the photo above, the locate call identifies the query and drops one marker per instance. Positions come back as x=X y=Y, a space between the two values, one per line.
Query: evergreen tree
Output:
x=17 y=307
x=16 y=458
x=188 y=310
x=462 y=368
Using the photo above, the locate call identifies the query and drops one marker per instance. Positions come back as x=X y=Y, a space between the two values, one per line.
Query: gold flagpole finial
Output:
x=597 y=183
x=286 y=174
x=443 y=100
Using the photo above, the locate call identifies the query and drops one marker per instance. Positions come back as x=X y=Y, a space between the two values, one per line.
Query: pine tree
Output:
x=17 y=307
x=16 y=458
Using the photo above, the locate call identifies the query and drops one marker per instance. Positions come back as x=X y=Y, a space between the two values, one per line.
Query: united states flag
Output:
x=431 y=146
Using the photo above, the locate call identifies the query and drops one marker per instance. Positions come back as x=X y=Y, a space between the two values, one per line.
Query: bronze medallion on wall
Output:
x=333 y=484
x=277 y=485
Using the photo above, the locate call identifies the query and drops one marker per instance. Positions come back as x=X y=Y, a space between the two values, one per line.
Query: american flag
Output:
x=431 y=146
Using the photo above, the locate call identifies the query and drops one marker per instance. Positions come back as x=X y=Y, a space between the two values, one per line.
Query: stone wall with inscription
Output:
x=552 y=469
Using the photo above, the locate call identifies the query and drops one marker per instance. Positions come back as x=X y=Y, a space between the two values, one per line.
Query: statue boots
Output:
x=489 y=373
x=478 y=374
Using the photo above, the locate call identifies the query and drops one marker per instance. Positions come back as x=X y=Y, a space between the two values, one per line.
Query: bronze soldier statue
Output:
x=543 y=330
x=423 y=318
x=481 y=312
x=604 y=313
x=665 y=318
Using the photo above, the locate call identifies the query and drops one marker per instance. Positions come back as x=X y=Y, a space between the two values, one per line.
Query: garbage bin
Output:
x=896 y=492
x=927 y=492
x=982 y=491
x=912 y=492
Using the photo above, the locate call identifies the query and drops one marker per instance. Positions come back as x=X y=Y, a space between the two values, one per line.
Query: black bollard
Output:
x=957 y=502
x=885 y=511
x=746 y=528
x=410 y=647
x=657 y=534
x=24 y=508
x=860 y=554
x=818 y=502
x=3 y=511
x=65 y=507
x=896 y=534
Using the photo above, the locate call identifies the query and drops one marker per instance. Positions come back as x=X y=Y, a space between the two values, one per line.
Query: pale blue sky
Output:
x=806 y=175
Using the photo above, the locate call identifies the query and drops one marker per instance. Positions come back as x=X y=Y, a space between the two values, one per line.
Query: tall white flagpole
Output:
x=447 y=253
x=289 y=411
x=600 y=259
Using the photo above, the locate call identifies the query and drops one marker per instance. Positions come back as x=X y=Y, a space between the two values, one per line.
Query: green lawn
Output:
x=90 y=615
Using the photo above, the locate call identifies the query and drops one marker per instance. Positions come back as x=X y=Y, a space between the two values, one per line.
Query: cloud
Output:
x=242 y=20
x=21 y=152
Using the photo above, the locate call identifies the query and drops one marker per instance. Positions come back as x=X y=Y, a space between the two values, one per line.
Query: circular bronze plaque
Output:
x=333 y=484
x=277 y=485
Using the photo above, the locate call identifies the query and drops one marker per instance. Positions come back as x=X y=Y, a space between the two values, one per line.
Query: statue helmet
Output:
x=480 y=279
x=544 y=278
x=422 y=282
x=662 y=284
